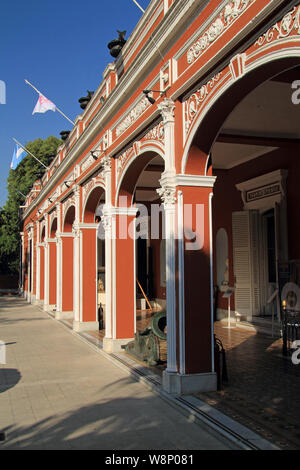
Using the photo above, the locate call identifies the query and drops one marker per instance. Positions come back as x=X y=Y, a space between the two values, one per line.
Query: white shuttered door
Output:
x=246 y=262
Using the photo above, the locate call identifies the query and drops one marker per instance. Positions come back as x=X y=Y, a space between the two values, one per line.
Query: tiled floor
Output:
x=263 y=391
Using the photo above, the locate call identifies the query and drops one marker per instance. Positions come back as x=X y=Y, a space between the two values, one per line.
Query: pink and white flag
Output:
x=43 y=105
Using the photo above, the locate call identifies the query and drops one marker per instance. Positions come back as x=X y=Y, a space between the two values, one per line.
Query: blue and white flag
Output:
x=18 y=156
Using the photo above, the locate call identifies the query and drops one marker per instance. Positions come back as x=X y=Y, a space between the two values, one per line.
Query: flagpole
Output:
x=32 y=86
x=26 y=150
x=151 y=36
x=138 y=5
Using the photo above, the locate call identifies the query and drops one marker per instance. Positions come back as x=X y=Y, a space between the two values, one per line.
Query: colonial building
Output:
x=192 y=135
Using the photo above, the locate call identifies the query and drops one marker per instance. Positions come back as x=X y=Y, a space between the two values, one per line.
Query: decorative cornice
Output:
x=193 y=104
x=228 y=15
x=133 y=115
x=282 y=29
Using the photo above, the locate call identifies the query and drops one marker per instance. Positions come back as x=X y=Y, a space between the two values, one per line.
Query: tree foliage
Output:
x=20 y=181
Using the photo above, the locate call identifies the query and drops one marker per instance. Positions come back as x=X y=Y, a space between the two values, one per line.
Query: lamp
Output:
x=93 y=154
x=149 y=98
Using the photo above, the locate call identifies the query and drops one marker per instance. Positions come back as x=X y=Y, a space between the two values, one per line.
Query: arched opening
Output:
x=68 y=264
x=252 y=137
x=94 y=259
x=53 y=266
x=42 y=264
x=69 y=219
x=138 y=188
x=53 y=228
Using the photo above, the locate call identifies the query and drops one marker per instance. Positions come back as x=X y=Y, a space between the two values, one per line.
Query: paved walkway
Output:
x=56 y=392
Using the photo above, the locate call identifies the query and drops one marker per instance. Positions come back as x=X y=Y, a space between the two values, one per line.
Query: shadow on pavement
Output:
x=8 y=379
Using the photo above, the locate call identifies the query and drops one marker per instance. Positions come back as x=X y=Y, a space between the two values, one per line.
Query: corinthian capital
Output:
x=166 y=108
x=106 y=162
x=76 y=229
x=167 y=195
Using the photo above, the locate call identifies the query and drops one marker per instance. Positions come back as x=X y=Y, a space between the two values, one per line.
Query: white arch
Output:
x=97 y=185
x=42 y=226
x=265 y=59
x=147 y=148
x=65 y=214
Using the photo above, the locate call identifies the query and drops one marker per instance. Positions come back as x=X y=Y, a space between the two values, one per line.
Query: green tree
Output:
x=20 y=181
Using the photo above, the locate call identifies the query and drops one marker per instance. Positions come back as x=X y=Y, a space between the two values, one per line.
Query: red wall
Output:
x=228 y=199
x=67 y=287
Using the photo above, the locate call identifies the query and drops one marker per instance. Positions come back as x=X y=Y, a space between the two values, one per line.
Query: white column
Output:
x=30 y=276
x=46 y=265
x=167 y=193
x=58 y=260
x=76 y=266
x=38 y=262
x=58 y=273
x=107 y=224
x=22 y=263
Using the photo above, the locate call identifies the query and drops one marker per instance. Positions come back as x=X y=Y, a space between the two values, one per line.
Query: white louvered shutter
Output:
x=241 y=261
x=255 y=261
x=245 y=232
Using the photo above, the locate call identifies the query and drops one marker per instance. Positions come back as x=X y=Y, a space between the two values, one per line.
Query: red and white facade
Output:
x=218 y=149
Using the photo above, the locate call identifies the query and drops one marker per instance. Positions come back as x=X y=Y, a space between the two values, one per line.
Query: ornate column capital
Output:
x=106 y=221
x=77 y=190
x=166 y=108
x=76 y=229
x=106 y=162
x=167 y=195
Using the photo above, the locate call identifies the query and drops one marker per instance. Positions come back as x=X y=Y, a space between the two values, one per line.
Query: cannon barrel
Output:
x=145 y=346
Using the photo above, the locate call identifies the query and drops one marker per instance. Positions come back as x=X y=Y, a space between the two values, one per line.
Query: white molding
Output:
x=211 y=266
x=171 y=287
x=181 y=283
x=258 y=183
x=195 y=180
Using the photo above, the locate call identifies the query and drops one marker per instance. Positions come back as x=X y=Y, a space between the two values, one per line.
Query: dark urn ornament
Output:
x=85 y=99
x=116 y=45
x=64 y=134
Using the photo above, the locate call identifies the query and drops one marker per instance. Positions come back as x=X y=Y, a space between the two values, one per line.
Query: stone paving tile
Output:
x=58 y=393
x=263 y=392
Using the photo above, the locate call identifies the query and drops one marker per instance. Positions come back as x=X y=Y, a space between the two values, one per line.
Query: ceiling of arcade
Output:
x=148 y=181
x=265 y=118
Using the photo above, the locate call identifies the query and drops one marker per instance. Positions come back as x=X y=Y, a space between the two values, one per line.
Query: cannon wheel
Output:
x=158 y=325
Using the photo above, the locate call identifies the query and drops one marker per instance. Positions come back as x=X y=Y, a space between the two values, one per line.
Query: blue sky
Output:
x=60 y=47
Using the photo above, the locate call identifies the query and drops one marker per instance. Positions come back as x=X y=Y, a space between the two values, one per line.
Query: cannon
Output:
x=145 y=346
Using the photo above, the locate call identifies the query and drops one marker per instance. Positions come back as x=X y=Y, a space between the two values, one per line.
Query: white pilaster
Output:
x=46 y=266
x=76 y=267
x=58 y=260
x=167 y=195
x=38 y=263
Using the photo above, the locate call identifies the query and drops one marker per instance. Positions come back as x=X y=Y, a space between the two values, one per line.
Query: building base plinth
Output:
x=38 y=302
x=184 y=384
x=85 y=326
x=63 y=315
x=111 y=345
x=48 y=308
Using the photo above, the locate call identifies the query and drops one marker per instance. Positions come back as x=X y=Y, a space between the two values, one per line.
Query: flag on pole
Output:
x=18 y=156
x=43 y=105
